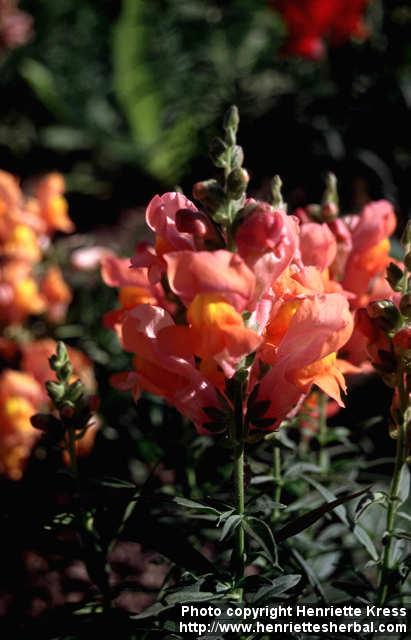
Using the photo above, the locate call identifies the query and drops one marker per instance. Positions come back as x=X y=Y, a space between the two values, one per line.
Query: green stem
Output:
x=323 y=459
x=278 y=482
x=400 y=460
x=239 y=499
x=238 y=472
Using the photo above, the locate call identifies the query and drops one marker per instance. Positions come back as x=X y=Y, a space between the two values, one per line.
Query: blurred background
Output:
x=122 y=97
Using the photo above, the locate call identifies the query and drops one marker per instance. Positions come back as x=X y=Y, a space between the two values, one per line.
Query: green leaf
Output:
x=277 y=587
x=113 y=483
x=187 y=595
x=263 y=536
x=61 y=520
x=44 y=85
x=165 y=146
x=402 y=535
x=309 y=572
x=153 y=611
x=230 y=525
x=406 y=516
x=301 y=523
x=295 y=470
x=193 y=504
x=169 y=540
x=357 y=530
x=367 y=500
x=404 y=483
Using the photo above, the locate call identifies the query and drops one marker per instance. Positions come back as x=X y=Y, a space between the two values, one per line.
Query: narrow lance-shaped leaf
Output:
x=307 y=519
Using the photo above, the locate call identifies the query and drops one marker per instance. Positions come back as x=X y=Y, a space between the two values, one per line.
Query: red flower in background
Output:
x=312 y=22
x=15 y=25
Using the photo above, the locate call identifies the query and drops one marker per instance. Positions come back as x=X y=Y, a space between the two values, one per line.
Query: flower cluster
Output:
x=22 y=394
x=353 y=254
x=385 y=325
x=310 y=23
x=223 y=300
x=27 y=224
x=29 y=286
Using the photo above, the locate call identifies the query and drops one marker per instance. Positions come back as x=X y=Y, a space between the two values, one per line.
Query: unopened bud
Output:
x=66 y=371
x=277 y=196
x=209 y=192
x=60 y=358
x=217 y=152
x=75 y=391
x=237 y=156
x=231 y=119
x=314 y=212
x=330 y=196
x=395 y=276
x=407 y=261
x=329 y=211
x=384 y=313
x=55 y=390
x=45 y=422
x=237 y=182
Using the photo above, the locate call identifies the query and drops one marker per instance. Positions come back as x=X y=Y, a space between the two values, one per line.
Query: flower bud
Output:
x=314 y=212
x=237 y=156
x=55 y=390
x=330 y=198
x=60 y=358
x=237 y=182
x=384 y=313
x=66 y=371
x=231 y=119
x=329 y=211
x=45 y=422
x=209 y=192
x=407 y=260
x=217 y=152
x=75 y=391
x=395 y=276
x=277 y=196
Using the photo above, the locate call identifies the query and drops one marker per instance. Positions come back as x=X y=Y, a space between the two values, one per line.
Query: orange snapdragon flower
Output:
x=56 y=293
x=20 y=397
x=53 y=206
x=216 y=307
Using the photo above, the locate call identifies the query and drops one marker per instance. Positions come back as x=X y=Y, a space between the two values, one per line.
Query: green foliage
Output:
x=173 y=76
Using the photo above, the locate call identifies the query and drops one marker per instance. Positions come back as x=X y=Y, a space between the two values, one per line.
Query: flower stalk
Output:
x=393 y=504
x=323 y=458
x=238 y=472
x=278 y=482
